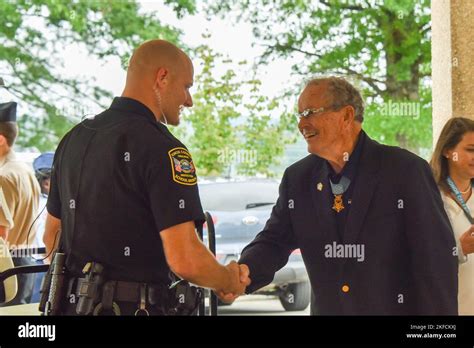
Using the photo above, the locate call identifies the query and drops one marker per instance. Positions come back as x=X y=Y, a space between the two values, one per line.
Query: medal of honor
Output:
x=338 y=205
x=337 y=191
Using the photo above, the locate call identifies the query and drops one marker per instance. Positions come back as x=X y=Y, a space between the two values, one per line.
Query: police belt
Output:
x=122 y=291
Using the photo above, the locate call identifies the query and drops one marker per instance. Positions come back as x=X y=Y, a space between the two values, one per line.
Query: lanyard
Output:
x=459 y=199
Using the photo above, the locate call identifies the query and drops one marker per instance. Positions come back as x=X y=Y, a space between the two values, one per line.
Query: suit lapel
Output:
x=365 y=184
x=321 y=200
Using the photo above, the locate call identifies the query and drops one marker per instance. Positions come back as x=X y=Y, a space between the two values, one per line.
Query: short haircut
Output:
x=10 y=131
x=342 y=93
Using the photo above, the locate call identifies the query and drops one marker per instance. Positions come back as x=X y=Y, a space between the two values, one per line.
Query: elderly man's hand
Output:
x=242 y=272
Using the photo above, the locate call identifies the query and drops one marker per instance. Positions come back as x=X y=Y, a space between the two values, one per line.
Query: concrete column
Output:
x=452 y=61
x=441 y=64
x=462 y=46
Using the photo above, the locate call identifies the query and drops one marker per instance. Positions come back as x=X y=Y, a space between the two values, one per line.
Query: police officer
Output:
x=124 y=194
x=42 y=166
x=20 y=192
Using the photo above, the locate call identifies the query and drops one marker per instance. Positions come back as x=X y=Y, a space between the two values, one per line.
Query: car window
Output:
x=238 y=196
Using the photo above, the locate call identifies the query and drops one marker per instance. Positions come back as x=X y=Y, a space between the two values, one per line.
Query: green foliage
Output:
x=222 y=126
x=33 y=36
x=409 y=122
x=231 y=128
x=182 y=7
x=385 y=44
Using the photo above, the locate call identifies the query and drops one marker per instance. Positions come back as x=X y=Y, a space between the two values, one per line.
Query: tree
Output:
x=232 y=128
x=383 y=45
x=33 y=35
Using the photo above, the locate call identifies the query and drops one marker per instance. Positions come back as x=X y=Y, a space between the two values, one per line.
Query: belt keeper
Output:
x=108 y=293
x=143 y=296
x=142 y=308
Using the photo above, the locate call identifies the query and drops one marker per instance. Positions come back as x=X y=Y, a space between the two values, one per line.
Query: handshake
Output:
x=238 y=281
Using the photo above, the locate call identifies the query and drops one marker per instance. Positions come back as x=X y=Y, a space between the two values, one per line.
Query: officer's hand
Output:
x=467 y=241
x=226 y=298
x=243 y=281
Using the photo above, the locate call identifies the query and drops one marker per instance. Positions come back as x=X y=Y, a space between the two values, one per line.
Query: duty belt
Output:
x=121 y=291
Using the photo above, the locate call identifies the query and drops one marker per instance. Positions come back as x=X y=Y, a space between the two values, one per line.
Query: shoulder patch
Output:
x=182 y=167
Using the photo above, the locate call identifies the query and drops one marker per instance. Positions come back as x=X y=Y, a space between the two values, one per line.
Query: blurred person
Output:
x=42 y=166
x=21 y=194
x=453 y=169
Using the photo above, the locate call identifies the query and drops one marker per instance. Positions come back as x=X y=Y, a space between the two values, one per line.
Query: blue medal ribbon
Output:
x=459 y=199
x=338 y=190
x=341 y=187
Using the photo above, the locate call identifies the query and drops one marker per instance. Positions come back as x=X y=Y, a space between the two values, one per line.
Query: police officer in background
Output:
x=124 y=195
x=42 y=166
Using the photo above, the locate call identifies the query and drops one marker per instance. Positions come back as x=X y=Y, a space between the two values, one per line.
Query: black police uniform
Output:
x=118 y=180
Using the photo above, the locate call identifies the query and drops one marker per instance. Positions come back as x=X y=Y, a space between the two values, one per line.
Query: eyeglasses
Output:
x=309 y=112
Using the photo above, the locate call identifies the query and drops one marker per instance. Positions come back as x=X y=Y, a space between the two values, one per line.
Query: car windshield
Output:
x=238 y=196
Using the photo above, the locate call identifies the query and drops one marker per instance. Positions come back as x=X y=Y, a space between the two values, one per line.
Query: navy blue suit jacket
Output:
x=410 y=265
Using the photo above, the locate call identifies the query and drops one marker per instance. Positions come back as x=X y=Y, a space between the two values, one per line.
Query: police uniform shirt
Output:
x=349 y=171
x=118 y=180
x=19 y=201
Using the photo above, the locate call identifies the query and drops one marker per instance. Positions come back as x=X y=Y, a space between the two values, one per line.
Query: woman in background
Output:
x=453 y=169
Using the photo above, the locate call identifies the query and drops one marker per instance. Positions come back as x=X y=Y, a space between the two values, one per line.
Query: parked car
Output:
x=240 y=211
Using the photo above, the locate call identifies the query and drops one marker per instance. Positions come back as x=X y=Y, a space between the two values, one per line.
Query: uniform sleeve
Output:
x=271 y=248
x=172 y=188
x=54 y=201
x=6 y=219
x=432 y=244
x=53 y=206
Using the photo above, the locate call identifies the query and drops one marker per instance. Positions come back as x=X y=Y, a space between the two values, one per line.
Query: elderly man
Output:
x=368 y=218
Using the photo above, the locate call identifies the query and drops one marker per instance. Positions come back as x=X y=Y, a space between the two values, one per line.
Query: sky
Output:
x=233 y=40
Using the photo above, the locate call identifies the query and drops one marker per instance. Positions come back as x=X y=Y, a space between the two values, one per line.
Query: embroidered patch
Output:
x=182 y=166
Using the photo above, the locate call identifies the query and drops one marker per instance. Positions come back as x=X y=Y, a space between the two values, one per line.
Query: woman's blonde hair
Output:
x=450 y=136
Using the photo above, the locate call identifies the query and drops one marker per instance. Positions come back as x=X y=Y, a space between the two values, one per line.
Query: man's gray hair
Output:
x=342 y=94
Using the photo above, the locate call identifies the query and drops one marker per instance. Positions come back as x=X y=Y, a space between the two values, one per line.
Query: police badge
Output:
x=182 y=166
